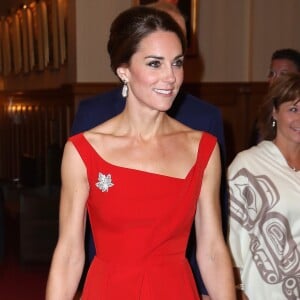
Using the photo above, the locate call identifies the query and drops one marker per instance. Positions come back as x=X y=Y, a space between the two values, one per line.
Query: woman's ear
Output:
x=122 y=73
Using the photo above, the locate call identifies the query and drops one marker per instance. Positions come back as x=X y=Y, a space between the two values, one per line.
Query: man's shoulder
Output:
x=187 y=105
x=196 y=113
x=101 y=100
x=197 y=103
x=97 y=109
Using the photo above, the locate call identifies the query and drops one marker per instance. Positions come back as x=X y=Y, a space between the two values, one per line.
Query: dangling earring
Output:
x=125 y=89
x=273 y=123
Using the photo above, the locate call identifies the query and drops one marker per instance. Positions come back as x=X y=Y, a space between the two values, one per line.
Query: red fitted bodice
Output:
x=141 y=223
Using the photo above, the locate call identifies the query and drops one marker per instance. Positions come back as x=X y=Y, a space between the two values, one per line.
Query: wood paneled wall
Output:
x=34 y=127
x=45 y=121
x=239 y=104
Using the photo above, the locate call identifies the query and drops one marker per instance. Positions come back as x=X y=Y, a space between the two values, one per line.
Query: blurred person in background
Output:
x=283 y=61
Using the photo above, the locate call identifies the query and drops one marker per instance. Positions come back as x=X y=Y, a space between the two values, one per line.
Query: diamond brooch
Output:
x=104 y=182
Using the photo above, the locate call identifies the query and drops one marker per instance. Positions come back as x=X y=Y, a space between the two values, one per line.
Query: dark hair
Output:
x=285 y=89
x=134 y=24
x=290 y=54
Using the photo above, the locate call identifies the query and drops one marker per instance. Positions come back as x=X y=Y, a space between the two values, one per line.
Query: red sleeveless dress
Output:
x=141 y=223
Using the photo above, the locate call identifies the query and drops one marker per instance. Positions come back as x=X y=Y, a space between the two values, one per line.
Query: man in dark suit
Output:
x=187 y=109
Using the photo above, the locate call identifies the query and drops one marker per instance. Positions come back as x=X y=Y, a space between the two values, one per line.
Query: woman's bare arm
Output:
x=68 y=259
x=212 y=252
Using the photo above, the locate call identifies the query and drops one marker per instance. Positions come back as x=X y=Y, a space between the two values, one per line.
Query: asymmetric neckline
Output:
x=128 y=169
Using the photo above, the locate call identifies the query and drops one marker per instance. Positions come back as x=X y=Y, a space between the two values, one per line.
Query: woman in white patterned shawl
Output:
x=264 y=188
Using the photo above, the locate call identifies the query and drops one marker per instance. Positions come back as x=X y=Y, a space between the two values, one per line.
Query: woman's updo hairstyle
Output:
x=134 y=24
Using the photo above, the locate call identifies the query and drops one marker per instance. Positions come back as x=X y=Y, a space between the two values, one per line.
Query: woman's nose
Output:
x=169 y=74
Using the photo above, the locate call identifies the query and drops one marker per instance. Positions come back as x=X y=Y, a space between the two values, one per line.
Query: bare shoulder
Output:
x=99 y=132
x=70 y=149
x=187 y=137
x=194 y=137
x=71 y=156
x=179 y=126
x=193 y=134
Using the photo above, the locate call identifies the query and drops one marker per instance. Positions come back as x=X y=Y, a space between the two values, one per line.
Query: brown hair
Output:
x=134 y=24
x=285 y=89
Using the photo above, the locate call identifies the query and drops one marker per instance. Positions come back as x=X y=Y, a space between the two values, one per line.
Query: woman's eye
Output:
x=178 y=63
x=154 y=63
x=293 y=109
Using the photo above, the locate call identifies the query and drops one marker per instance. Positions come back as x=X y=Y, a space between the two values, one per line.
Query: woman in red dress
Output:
x=143 y=178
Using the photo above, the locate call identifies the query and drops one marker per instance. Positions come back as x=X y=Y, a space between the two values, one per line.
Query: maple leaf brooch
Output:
x=104 y=182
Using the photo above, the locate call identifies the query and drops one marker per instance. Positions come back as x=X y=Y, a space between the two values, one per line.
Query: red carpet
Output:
x=22 y=281
x=19 y=281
